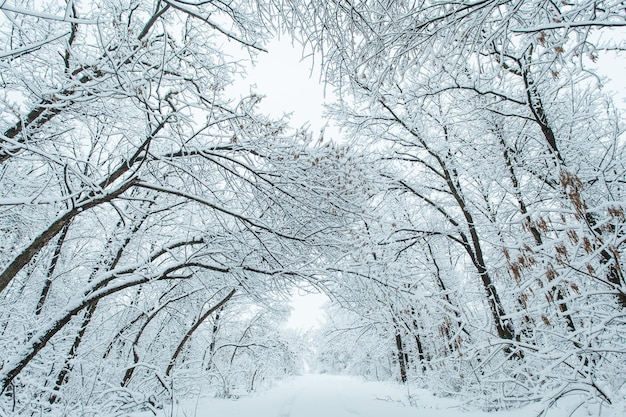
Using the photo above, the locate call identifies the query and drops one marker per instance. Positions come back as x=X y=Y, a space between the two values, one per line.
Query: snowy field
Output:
x=317 y=395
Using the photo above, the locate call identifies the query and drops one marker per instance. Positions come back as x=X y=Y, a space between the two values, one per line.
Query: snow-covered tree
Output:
x=140 y=204
x=507 y=159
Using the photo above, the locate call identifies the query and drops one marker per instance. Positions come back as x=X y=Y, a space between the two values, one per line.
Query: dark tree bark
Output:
x=106 y=265
x=51 y=268
x=194 y=327
x=471 y=244
x=99 y=290
x=401 y=355
x=128 y=375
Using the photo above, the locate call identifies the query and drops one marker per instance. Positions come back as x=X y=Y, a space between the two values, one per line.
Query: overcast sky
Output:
x=289 y=83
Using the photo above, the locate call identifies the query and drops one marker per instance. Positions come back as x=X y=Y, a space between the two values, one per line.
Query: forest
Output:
x=468 y=226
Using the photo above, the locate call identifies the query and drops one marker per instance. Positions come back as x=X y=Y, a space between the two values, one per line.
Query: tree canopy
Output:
x=469 y=228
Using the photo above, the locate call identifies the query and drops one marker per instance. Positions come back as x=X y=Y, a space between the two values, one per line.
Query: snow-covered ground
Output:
x=316 y=395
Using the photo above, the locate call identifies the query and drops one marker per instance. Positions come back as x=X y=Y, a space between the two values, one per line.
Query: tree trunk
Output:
x=472 y=245
x=400 y=352
x=51 y=268
x=401 y=356
x=59 y=224
x=131 y=369
x=193 y=328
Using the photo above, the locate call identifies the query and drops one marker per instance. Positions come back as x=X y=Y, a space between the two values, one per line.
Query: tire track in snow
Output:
x=285 y=409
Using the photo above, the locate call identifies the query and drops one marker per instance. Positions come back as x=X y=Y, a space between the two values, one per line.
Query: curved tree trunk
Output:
x=131 y=369
x=51 y=268
x=471 y=244
x=194 y=327
x=106 y=265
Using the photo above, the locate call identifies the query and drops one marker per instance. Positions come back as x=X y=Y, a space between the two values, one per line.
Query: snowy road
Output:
x=317 y=395
x=310 y=396
x=331 y=395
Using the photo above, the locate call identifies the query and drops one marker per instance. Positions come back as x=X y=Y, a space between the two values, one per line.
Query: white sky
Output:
x=307 y=311
x=290 y=84
x=613 y=67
